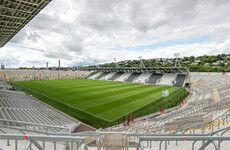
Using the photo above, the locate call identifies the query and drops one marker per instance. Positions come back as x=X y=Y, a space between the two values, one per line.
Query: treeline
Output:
x=205 y=63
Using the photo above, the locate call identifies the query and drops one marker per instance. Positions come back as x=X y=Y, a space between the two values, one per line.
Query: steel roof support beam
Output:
x=12 y=9
x=15 y=14
x=9 y=16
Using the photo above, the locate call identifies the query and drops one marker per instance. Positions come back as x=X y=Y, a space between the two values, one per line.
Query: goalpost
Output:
x=165 y=92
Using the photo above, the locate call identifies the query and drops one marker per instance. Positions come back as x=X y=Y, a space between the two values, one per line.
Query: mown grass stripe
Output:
x=122 y=98
x=137 y=103
x=83 y=97
x=102 y=99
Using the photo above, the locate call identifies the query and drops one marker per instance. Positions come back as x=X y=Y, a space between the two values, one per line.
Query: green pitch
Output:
x=103 y=99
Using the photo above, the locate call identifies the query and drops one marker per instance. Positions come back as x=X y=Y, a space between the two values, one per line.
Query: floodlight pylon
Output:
x=116 y=63
x=141 y=62
x=177 y=62
x=96 y=63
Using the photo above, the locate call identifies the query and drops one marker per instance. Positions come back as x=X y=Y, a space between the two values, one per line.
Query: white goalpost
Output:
x=165 y=92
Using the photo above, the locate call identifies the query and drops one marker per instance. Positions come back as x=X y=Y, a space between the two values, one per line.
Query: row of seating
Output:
x=18 y=106
x=22 y=75
x=208 y=95
x=168 y=79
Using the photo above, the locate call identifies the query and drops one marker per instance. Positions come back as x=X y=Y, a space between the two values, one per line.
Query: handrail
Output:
x=207 y=123
x=181 y=125
x=39 y=128
x=164 y=120
x=42 y=138
x=182 y=138
x=36 y=124
x=209 y=139
x=32 y=139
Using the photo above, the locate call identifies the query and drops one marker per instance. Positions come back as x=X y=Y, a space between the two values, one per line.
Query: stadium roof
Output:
x=143 y=69
x=15 y=14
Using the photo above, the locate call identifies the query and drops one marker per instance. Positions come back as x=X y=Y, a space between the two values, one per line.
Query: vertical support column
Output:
x=16 y=144
x=71 y=145
x=77 y=145
x=8 y=142
x=127 y=143
x=44 y=145
x=165 y=145
x=54 y=145
x=98 y=143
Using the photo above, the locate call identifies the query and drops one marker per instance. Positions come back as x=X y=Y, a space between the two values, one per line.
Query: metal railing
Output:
x=99 y=138
x=34 y=140
x=205 y=139
x=34 y=127
x=160 y=122
x=223 y=119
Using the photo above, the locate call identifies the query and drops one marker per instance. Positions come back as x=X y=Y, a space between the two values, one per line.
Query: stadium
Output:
x=108 y=107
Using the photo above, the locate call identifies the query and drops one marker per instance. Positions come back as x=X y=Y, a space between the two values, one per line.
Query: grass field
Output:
x=103 y=99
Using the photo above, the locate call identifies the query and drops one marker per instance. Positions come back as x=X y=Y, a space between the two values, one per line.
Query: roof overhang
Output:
x=15 y=14
x=142 y=69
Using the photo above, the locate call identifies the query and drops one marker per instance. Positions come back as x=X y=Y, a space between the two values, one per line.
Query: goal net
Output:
x=165 y=93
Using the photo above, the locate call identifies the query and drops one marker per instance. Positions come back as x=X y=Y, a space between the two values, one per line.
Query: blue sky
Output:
x=200 y=40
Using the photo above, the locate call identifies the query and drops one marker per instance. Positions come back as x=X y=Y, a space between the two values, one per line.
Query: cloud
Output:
x=90 y=29
x=20 y=36
x=33 y=36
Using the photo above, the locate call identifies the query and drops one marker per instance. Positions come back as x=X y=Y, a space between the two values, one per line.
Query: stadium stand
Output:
x=82 y=74
x=3 y=76
x=143 y=78
x=54 y=74
x=123 y=77
x=18 y=75
x=115 y=76
x=106 y=77
x=18 y=106
x=67 y=75
x=150 y=78
x=132 y=77
x=167 y=79
x=44 y=74
x=154 y=78
x=51 y=76
x=180 y=80
x=91 y=74
x=28 y=75
x=204 y=113
x=102 y=75
x=196 y=76
x=195 y=108
x=21 y=73
x=70 y=74
x=62 y=75
x=10 y=74
x=95 y=75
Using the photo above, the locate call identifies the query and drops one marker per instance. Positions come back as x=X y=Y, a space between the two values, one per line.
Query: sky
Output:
x=86 y=32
